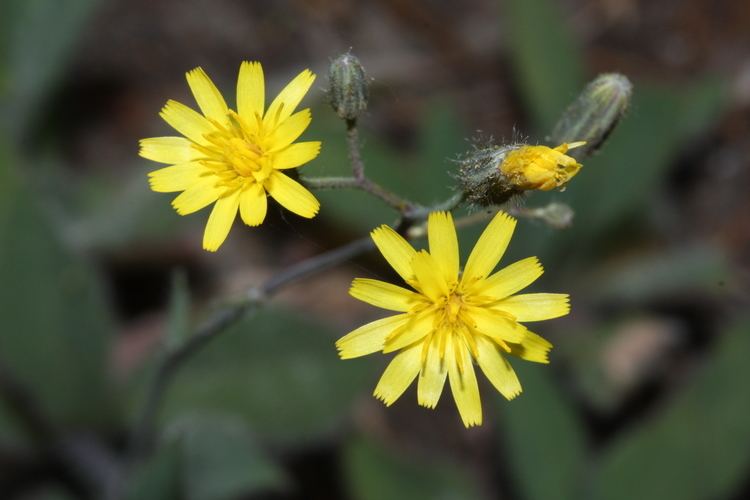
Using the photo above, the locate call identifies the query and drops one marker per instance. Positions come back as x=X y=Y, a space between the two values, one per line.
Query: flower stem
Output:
x=402 y=205
x=352 y=142
x=143 y=434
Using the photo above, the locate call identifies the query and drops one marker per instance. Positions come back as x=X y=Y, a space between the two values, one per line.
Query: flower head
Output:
x=540 y=167
x=234 y=159
x=448 y=320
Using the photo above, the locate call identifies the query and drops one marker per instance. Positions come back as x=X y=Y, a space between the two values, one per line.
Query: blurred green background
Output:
x=646 y=394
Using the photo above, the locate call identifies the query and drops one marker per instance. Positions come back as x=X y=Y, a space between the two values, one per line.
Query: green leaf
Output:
x=112 y=213
x=696 y=448
x=375 y=472
x=545 y=440
x=158 y=476
x=547 y=63
x=40 y=36
x=645 y=277
x=178 y=325
x=56 y=326
x=221 y=459
x=278 y=370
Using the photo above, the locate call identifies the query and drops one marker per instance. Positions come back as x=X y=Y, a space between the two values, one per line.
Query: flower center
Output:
x=235 y=153
x=452 y=307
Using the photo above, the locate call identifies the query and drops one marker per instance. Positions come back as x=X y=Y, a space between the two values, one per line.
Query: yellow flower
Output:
x=541 y=167
x=450 y=319
x=234 y=158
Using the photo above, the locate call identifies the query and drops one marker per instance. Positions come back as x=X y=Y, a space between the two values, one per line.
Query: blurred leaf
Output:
x=158 y=476
x=644 y=277
x=277 y=369
x=423 y=176
x=39 y=37
x=47 y=493
x=111 y=213
x=374 y=472
x=546 y=447
x=696 y=448
x=221 y=460
x=548 y=65
x=179 y=311
x=55 y=323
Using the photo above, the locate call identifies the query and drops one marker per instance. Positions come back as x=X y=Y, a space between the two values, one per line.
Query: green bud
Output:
x=594 y=114
x=348 y=87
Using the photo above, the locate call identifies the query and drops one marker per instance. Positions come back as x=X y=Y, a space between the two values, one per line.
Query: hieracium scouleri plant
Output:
x=446 y=317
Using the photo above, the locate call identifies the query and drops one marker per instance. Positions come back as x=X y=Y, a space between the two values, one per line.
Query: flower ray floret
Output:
x=449 y=320
x=234 y=159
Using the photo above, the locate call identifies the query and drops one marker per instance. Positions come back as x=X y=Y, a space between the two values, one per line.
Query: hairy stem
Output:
x=352 y=142
x=402 y=205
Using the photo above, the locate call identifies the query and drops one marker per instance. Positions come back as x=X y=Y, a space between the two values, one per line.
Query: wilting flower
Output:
x=540 y=167
x=234 y=158
x=448 y=320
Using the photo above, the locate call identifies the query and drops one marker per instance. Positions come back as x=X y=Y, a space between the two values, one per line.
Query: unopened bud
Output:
x=348 y=87
x=493 y=175
x=595 y=113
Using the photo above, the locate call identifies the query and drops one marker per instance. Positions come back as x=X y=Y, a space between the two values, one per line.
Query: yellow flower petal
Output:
x=396 y=250
x=532 y=348
x=176 y=178
x=419 y=326
x=186 y=121
x=490 y=247
x=197 y=196
x=497 y=369
x=253 y=205
x=444 y=244
x=292 y=195
x=289 y=130
x=535 y=306
x=369 y=338
x=463 y=382
x=382 y=294
x=172 y=150
x=398 y=375
x=220 y=221
x=251 y=93
x=288 y=99
x=296 y=155
x=432 y=377
x=431 y=283
x=208 y=97
x=510 y=279
x=495 y=325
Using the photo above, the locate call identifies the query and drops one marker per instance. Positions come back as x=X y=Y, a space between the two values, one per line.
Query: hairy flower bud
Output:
x=493 y=175
x=595 y=113
x=348 y=87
